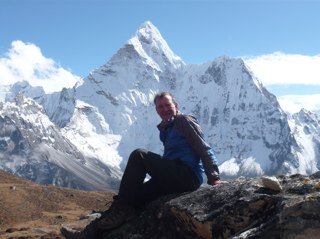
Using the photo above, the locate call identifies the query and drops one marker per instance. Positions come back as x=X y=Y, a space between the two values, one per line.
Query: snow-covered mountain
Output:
x=111 y=112
x=3 y=91
x=242 y=120
x=33 y=147
x=305 y=126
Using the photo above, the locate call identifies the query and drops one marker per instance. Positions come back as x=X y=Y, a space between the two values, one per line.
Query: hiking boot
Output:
x=118 y=213
x=69 y=233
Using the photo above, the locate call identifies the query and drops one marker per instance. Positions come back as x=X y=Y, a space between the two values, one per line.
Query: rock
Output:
x=11 y=230
x=238 y=209
x=315 y=175
x=271 y=182
x=90 y=216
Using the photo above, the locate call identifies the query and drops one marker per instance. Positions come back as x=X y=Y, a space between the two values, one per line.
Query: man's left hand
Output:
x=216 y=182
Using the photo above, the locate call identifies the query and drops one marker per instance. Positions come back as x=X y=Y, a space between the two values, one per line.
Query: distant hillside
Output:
x=29 y=210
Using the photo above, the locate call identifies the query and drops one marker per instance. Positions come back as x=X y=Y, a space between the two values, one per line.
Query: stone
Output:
x=238 y=209
x=271 y=183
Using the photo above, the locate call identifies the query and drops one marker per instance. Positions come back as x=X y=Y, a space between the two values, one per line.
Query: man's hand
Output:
x=215 y=182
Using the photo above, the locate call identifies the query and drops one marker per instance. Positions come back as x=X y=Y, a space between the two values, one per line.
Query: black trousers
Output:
x=167 y=176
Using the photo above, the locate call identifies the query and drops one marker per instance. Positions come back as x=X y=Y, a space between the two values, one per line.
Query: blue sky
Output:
x=80 y=35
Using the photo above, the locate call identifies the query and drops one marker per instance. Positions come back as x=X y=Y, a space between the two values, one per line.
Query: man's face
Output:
x=166 y=108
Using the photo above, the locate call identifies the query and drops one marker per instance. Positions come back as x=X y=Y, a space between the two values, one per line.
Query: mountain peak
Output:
x=34 y=92
x=150 y=44
x=148 y=29
x=147 y=24
x=149 y=34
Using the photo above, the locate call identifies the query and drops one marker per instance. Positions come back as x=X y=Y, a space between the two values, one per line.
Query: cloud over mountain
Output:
x=280 y=68
x=294 y=78
x=25 y=61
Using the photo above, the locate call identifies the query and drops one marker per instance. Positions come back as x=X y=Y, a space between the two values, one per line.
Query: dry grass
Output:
x=29 y=210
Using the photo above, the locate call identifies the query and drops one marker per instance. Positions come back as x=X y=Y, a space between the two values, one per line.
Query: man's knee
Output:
x=138 y=154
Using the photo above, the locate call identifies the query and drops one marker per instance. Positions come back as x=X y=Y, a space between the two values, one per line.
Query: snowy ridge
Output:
x=33 y=147
x=26 y=89
x=306 y=127
x=241 y=119
x=3 y=91
x=150 y=45
x=91 y=134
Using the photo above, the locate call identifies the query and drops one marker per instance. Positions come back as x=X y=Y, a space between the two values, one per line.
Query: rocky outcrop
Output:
x=242 y=208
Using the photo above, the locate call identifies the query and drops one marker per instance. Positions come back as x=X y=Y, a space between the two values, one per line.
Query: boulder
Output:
x=241 y=208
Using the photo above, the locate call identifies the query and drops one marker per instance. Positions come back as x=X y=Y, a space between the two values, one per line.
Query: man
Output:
x=178 y=170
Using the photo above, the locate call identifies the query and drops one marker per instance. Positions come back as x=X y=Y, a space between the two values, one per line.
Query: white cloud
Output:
x=289 y=70
x=293 y=103
x=24 y=61
x=280 y=68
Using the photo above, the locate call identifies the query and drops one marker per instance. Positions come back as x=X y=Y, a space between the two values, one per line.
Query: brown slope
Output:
x=31 y=210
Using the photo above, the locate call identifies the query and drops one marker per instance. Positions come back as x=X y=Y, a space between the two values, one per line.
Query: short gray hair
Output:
x=163 y=94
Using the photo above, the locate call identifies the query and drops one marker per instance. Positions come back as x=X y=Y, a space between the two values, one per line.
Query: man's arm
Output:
x=191 y=130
